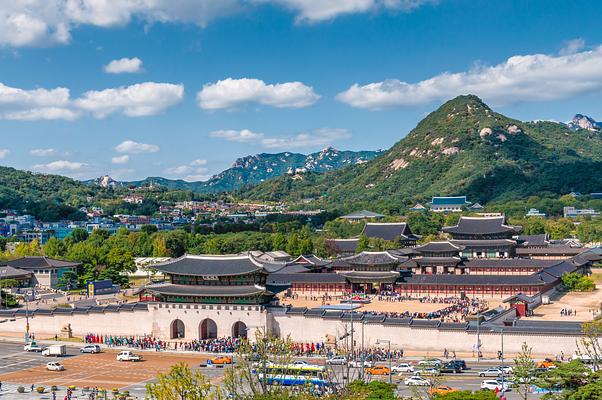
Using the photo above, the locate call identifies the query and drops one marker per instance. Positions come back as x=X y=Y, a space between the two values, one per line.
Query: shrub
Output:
x=576 y=282
x=40 y=389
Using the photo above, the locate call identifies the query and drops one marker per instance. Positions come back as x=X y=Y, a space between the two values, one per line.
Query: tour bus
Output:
x=293 y=375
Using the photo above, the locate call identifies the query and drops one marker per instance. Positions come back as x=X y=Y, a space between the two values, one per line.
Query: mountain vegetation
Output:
x=251 y=170
x=462 y=148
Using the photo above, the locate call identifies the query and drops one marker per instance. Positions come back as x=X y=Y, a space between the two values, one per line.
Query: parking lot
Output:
x=18 y=367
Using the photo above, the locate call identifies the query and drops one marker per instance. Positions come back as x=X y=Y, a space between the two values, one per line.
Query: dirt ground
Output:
x=582 y=303
x=381 y=306
x=102 y=370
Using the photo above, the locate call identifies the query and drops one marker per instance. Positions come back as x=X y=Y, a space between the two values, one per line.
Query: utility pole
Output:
x=389 y=356
x=478 y=336
x=363 y=352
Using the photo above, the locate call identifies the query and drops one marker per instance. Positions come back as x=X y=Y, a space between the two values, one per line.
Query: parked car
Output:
x=378 y=370
x=303 y=363
x=54 y=366
x=417 y=381
x=430 y=362
x=495 y=372
x=442 y=390
x=337 y=360
x=450 y=368
x=494 y=385
x=90 y=348
x=127 y=355
x=221 y=360
x=358 y=363
x=33 y=346
x=403 y=368
x=428 y=371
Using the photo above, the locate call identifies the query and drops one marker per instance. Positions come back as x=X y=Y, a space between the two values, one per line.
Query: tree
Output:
x=363 y=244
x=590 y=345
x=467 y=395
x=79 y=235
x=55 y=248
x=181 y=383
x=576 y=282
x=524 y=371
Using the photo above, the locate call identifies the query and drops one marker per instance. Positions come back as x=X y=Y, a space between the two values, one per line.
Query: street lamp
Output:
x=388 y=342
x=501 y=331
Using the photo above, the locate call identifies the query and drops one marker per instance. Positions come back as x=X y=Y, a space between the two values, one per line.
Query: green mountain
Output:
x=252 y=170
x=48 y=197
x=462 y=148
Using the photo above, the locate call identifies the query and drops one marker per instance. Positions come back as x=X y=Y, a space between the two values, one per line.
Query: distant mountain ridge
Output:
x=252 y=170
x=462 y=148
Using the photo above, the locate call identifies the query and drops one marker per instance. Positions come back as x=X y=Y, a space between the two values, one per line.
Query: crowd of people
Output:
x=568 y=312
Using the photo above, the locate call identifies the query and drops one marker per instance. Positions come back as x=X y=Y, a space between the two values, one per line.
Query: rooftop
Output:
x=363 y=214
x=226 y=265
x=481 y=226
x=450 y=200
x=40 y=262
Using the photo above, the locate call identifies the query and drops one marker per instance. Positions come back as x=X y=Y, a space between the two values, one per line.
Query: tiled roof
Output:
x=40 y=262
x=362 y=214
x=511 y=263
x=456 y=201
x=205 y=290
x=343 y=245
x=480 y=226
x=213 y=265
x=439 y=247
x=8 y=272
x=388 y=231
x=453 y=279
x=306 y=278
x=550 y=250
x=372 y=258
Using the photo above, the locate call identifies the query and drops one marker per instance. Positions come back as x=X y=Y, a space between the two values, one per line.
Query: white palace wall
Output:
x=157 y=321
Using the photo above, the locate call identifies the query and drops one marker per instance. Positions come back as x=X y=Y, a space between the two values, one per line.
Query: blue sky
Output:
x=196 y=85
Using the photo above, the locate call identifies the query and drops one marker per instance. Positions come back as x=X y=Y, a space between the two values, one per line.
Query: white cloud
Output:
x=230 y=93
x=124 y=65
x=316 y=137
x=46 y=22
x=189 y=172
x=4 y=153
x=120 y=159
x=60 y=166
x=231 y=135
x=142 y=99
x=131 y=147
x=536 y=77
x=198 y=162
x=42 y=152
x=572 y=46
x=315 y=11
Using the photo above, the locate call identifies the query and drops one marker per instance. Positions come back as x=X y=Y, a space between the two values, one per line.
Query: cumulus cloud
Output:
x=131 y=147
x=42 y=152
x=4 y=153
x=316 y=137
x=230 y=93
x=120 y=159
x=60 y=166
x=191 y=172
x=315 y=11
x=141 y=99
x=231 y=135
x=536 y=77
x=572 y=46
x=46 y=22
x=124 y=65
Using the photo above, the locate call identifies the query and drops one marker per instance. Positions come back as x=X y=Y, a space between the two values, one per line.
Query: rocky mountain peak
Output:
x=581 y=121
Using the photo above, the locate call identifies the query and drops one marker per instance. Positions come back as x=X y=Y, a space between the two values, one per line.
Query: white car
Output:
x=302 y=363
x=403 y=368
x=430 y=362
x=54 y=366
x=127 y=355
x=493 y=385
x=507 y=369
x=337 y=360
x=358 y=364
x=417 y=381
x=90 y=348
x=495 y=372
x=33 y=346
x=428 y=371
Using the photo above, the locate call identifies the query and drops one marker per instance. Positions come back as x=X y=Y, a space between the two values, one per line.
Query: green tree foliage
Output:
x=372 y=391
x=181 y=383
x=524 y=371
x=79 y=235
x=467 y=395
x=55 y=248
x=576 y=282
